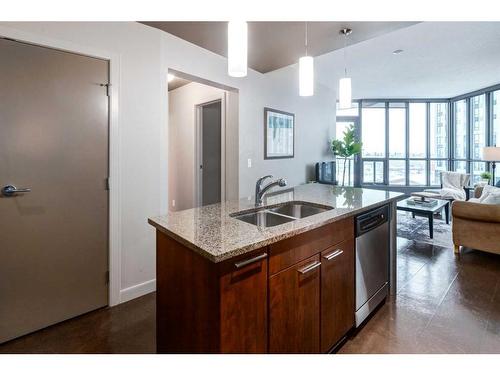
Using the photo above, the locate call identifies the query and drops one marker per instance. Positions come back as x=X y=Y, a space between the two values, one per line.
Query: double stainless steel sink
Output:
x=271 y=216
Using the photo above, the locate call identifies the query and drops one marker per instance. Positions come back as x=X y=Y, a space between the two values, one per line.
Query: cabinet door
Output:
x=294 y=299
x=243 y=304
x=337 y=293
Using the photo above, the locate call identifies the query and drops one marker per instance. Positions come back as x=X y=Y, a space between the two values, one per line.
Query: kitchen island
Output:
x=228 y=286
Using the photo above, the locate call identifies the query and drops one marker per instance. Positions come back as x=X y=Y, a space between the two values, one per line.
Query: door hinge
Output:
x=106 y=277
x=107 y=85
x=106 y=184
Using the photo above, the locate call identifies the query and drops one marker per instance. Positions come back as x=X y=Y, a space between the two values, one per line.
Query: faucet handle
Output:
x=282 y=182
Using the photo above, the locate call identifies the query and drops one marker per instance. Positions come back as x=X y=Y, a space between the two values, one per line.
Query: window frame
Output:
x=450 y=159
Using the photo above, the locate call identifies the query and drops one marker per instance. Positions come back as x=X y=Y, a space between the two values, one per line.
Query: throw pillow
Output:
x=487 y=190
x=492 y=198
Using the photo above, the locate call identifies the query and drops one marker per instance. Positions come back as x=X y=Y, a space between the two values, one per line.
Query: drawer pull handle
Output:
x=246 y=262
x=309 y=267
x=334 y=254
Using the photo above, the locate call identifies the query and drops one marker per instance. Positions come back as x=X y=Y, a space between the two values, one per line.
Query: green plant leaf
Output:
x=347 y=146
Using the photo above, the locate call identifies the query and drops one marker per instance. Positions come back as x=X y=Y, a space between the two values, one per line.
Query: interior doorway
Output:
x=209 y=153
x=203 y=142
x=54 y=201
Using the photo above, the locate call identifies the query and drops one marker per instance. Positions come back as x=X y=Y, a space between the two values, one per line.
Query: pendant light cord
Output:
x=306 y=38
x=345 y=47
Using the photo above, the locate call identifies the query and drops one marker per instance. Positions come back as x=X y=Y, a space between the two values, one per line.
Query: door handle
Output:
x=309 y=267
x=334 y=254
x=11 y=190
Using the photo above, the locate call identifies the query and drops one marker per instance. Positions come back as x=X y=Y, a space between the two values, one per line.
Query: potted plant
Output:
x=346 y=147
x=486 y=177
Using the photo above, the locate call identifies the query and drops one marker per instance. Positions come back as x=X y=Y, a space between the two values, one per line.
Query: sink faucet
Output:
x=260 y=191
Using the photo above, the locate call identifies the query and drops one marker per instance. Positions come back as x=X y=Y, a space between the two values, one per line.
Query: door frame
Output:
x=114 y=234
x=198 y=157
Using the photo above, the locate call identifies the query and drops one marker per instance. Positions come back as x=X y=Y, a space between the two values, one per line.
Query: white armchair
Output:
x=452 y=186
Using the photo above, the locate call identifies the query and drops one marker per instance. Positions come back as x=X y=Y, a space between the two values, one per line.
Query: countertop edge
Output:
x=259 y=244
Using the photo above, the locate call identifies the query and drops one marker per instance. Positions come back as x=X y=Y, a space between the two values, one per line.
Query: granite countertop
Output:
x=211 y=232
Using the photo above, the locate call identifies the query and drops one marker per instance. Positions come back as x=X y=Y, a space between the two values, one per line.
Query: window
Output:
x=373 y=130
x=397 y=172
x=460 y=109
x=418 y=130
x=436 y=167
x=496 y=118
x=397 y=144
x=476 y=169
x=397 y=133
x=411 y=142
x=495 y=134
x=461 y=166
x=478 y=110
x=373 y=172
x=438 y=130
x=418 y=172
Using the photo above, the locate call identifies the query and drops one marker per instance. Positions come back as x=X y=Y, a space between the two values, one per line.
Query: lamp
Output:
x=306 y=72
x=492 y=154
x=345 y=90
x=237 y=48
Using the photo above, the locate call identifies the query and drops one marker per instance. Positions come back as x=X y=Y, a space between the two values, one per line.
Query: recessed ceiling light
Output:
x=397 y=52
x=170 y=77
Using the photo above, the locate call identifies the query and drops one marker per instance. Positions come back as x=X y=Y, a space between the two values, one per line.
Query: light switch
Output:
x=249 y=163
x=173 y=202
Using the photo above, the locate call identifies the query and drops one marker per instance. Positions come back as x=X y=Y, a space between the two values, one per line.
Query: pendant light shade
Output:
x=306 y=71
x=345 y=89
x=306 y=76
x=237 y=48
x=345 y=93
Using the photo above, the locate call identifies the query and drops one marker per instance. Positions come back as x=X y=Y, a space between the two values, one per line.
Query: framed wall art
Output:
x=279 y=134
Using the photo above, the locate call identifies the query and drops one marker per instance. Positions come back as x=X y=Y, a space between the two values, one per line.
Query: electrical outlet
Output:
x=249 y=163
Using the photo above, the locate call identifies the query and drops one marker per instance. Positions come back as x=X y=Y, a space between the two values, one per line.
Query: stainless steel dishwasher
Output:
x=372 y=261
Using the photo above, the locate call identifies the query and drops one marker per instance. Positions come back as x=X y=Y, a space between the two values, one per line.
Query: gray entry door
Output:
x=211 y=147
x=54 y=141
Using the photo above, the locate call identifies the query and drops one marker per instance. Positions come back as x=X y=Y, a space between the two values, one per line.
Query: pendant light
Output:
x=237 y=48
x=306 y=72
x=345 y=89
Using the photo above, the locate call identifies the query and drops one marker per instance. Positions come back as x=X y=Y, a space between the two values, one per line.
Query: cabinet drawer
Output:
x=288 y=252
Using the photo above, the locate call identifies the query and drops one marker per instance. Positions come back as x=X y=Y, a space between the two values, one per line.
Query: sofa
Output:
x=476 y=222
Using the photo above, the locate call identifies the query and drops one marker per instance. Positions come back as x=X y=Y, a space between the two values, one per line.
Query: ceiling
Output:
x=273 y=45
x=439 y=60
x=177 y=82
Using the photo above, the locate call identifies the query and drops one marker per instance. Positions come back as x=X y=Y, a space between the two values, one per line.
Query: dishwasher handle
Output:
x=371 y=220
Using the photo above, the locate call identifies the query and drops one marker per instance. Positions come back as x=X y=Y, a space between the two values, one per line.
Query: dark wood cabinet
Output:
x=243 y=305
x=205 y=307
x=293 y=296
x=337 y=293
x=294 y=303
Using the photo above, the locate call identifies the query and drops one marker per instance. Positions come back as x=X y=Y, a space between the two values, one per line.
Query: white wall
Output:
x=181 y=141
x=314 y=126
x=145 y=56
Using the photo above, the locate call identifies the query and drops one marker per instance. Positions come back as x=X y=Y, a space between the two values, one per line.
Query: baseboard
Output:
x=138 y=290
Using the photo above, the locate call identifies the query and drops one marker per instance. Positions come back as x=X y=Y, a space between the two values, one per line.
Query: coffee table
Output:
x=429 y=212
